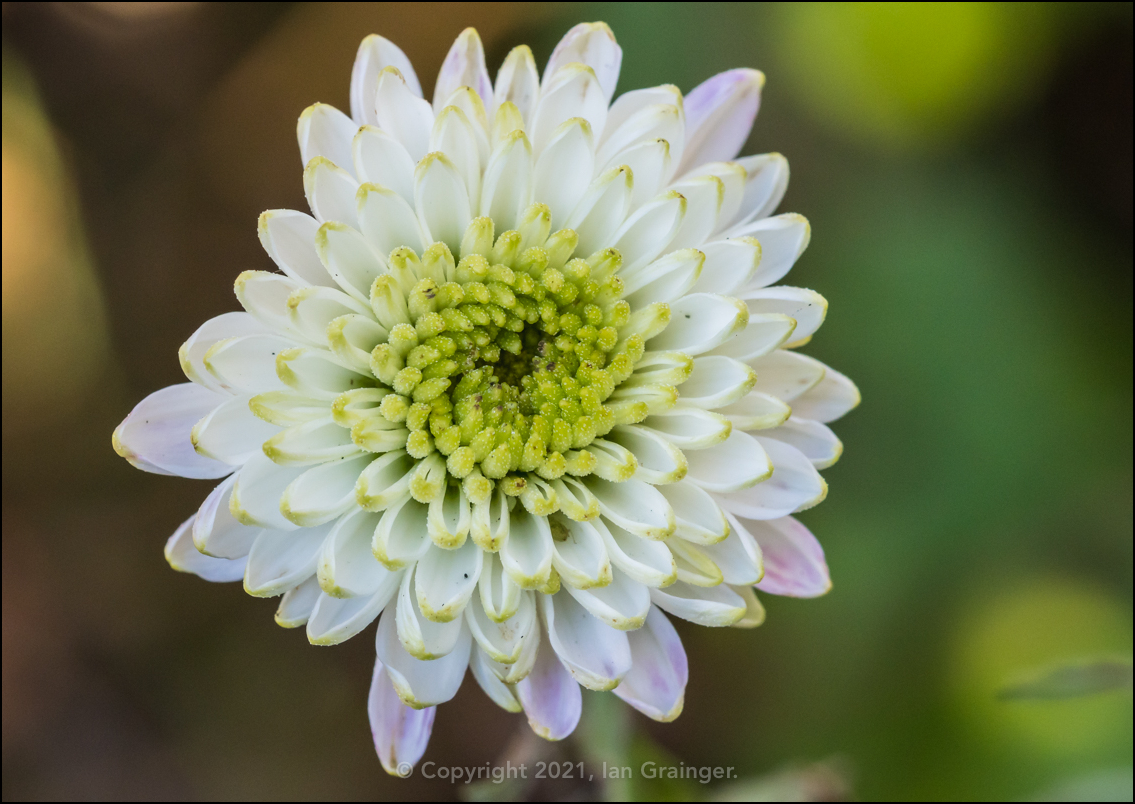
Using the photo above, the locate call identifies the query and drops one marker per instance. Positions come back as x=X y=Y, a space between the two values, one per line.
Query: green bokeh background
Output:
x=967 y=172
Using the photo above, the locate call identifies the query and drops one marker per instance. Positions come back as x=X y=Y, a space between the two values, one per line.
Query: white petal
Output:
x=656 y=121
x=736 y=463
x=503 y=642
x=316 y=373
x=766 y=181
x=464 y=66
x=336 y=619
x=634 y=506
x=732 y=177
x=380 y=159
x=817 y=441
x=421 y=637
x=643 y=560
x=323 y=492
x=499 y=692
x=297 y=603
x=698 y=517
x=719 y=115
x=400 y=538
x=247 y=364
x=325 y=131
x=631 y=103
x=265 y=296
x=400 y=732
x=795 y=485
x=668 y=278
x=387 y=221
x=507 y=187
x=231 y=432
x=786 y=375
x=602 y=210
x=225 y=326
x=518 y=82
x=754 y=610
x=827 y=400
x=593 y=44
x=739 y=556
x=155 y=437
x=313 y=442
x=349 y=258
x=215 y=531
x=500 y=596
x=694 y=565
x=783 y=239
x=564 y=169
x=447 y=579
x=659 y=461
x=550 y=696
x=597 y=655
x=454 y=136
x=650 y=164
x=622 y=604
x=579 y=555
x=289 y=238
x=756 y=411
x=376 y=54
x=647 y=231
x=256 y=495
x=330 y=191
x=441 y=201
x=449 y=519
x=689 y=428
x=280 y=560
x=794 y=560
x=700 y=322
x=347 y=566
x=764 y=333
x=183 y=556
x=401 y=112
x=386 y=481
x=421 y=683
x=713 y=606
x=807 y=307
x=574 y=91
x=527 y=555
x=656 y=683
x=716 y=381
x=313 y=309
x=729 y=265
x=704 y=196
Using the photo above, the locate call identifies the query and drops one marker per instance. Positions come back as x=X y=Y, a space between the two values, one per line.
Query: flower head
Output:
x=522 y=384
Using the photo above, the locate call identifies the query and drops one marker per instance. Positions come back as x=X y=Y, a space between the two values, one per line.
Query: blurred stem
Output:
x=604 y=738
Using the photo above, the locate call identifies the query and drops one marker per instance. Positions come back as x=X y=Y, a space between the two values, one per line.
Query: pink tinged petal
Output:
x=815 y=440
x=324 y=131
x=596 y=655
x=719 y=115
x=550 y=696
x=794 y=486
x=464 y=66
x=573 y=92
x=656 y=683
x=828 y=400
x=330 y=192
x=289 y=238
x=400 y=732
x=183 y=556
x=225 y=326
x=593 y=44
x=783 y=239
x=282 y=560
x=807 y=307
x=403 y=114
x=155 y=437
x=418 y=683
x=231 y=432
x=518 y=82
x=794 y=560
x=766 y=180
x=380 y=159
x=216 y=532
x=376 y=54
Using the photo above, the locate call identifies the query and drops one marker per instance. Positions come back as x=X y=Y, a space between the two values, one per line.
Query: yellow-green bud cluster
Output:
x=503 y=362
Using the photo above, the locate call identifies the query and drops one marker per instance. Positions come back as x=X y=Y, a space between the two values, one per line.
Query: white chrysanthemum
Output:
x=523 y=385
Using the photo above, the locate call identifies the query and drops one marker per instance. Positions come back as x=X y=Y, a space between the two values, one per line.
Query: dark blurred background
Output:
x=967 y=172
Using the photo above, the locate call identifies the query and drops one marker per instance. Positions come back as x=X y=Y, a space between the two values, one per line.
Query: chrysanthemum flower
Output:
x=523 y=384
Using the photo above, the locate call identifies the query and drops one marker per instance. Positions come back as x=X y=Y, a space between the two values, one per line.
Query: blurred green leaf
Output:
x=1071 y=681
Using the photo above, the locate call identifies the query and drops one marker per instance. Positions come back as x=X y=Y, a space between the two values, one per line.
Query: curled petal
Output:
x=155 y=437
x=401 y=733
x=656 y=683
